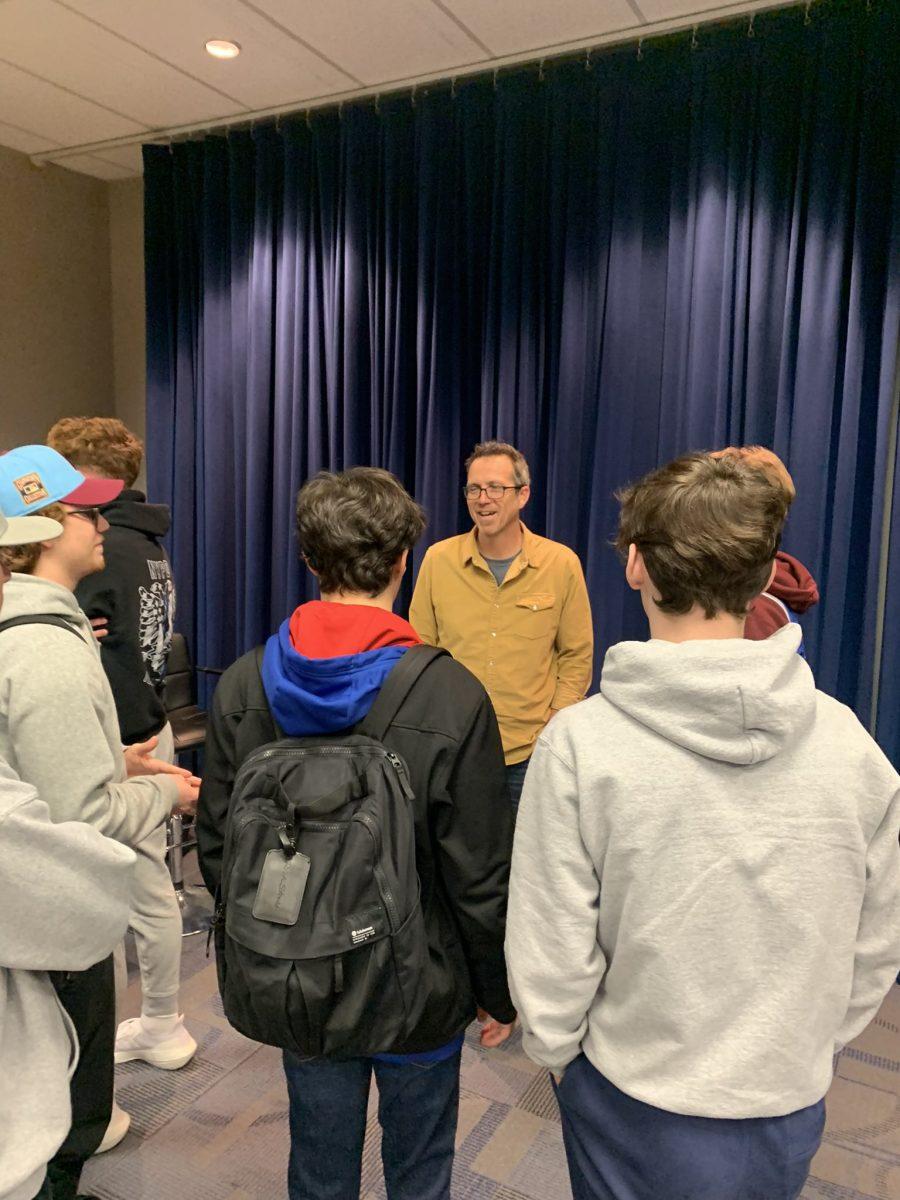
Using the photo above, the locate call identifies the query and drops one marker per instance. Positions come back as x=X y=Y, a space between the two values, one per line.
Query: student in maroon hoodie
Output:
x=793 y=589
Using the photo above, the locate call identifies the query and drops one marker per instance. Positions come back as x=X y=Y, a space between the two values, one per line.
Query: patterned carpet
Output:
x=217 y=1129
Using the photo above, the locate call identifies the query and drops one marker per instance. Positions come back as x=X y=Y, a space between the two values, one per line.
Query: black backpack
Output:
x=320 y=938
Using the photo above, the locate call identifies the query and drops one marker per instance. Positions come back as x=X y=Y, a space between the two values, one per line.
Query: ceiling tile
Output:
x=22 y=139
x=515 y=26
x=379 y=40
x=272 y=69
x=53 y=113
x=55 y=43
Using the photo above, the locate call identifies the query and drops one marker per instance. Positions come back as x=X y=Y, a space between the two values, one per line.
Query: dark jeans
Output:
x=515 y=778
x=619 y=1148
x=418 y=1108
x=89 y=997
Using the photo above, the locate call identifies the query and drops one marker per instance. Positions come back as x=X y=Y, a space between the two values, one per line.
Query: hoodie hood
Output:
x=735 y=701
x=26 y=595
x=793 y=584
x=324 y=667
x=131 y=511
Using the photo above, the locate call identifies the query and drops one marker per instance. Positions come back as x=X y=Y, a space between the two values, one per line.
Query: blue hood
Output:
x=311 y=696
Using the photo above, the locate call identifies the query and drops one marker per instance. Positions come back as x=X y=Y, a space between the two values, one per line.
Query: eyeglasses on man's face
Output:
x=493 y=491
x=93 y=515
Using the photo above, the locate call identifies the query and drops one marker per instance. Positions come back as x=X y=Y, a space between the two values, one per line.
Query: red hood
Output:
x=322 y=629
x=793 y=584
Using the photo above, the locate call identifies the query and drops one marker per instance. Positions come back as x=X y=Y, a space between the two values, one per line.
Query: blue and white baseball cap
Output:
x=31 y=477
x=20 y=531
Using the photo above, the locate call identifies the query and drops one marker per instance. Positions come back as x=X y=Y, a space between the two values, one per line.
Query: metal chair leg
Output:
x=195 y=902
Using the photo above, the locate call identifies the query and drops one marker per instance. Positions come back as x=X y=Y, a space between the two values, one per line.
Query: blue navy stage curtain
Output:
x=606 y=261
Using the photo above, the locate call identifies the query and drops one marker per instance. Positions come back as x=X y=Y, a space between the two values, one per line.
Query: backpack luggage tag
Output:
x=282 y=880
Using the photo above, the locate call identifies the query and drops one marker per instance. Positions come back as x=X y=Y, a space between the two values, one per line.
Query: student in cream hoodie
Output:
x=64 y=900
x=705 y=894
x=60 y=733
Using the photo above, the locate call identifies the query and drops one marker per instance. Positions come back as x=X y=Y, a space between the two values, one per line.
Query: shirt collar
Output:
x=531 y=549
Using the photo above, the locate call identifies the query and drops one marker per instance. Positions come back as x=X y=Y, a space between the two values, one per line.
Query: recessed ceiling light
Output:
x=219 y=48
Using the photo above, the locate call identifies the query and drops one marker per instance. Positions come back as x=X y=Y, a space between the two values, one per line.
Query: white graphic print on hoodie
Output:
x=705 y=892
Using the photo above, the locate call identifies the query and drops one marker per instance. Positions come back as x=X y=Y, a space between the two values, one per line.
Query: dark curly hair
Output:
x=708 y=529
x=353 y=526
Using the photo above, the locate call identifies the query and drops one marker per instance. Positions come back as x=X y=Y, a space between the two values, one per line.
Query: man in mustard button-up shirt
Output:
x=509 y=605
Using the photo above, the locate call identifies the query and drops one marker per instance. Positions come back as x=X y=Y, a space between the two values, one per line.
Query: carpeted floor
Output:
x=217 y=1129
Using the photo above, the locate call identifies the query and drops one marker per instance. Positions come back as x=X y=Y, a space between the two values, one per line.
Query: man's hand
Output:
x=140 y=761
x=100 y=626
x=493 y=1033
x=188 y=792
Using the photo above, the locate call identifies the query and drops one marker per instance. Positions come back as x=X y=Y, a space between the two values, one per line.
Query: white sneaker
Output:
x=119 y=1124
x=161 y=1041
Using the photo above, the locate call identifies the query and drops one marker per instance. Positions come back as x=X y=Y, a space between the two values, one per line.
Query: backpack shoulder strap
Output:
x=264 y=699
x=396 y=688
x=41 y=619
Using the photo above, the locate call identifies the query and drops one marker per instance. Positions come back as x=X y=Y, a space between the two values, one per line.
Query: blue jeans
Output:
x=418 y=1107
x=515 y=778
x=619 y=1148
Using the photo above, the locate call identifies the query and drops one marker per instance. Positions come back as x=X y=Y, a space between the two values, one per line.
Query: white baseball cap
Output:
x=20 y=531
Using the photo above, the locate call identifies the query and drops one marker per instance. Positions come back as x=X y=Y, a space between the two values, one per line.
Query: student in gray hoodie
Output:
x=705 y=894
x=52 y=680
x=64 y=899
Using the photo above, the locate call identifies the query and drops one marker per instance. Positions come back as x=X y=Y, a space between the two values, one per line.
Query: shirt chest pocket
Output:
x=535 y=616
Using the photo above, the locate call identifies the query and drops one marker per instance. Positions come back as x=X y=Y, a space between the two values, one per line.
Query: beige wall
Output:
x=126 y=250
x=56 y=347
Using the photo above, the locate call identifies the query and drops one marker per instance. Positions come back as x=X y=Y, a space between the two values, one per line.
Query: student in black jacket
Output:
x=321 y=672
x=131 y=603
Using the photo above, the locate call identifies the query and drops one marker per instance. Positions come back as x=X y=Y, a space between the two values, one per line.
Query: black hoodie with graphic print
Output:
x=136 y=593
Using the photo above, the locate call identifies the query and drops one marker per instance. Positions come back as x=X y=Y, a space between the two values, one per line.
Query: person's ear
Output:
x=400 y=565
x=524 y=494
x=635 y=571
x=312 y=570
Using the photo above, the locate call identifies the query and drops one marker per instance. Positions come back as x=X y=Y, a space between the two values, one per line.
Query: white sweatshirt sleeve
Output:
x=55 y=715
x=877 y=958
x=65 y=889
x=553 y=955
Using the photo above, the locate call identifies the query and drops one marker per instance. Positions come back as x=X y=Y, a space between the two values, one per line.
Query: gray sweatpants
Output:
x=155 y=918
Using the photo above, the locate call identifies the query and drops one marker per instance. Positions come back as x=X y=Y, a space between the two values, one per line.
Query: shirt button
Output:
x=534 y=608
x=491 y=663
x=493 y=634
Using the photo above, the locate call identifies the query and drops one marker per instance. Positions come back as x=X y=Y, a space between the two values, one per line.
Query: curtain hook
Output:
x=587 y=59
x=640 y=53
x=453 y=88
x=541 y=72
x=378 y=102
x=412 y=96
x=750 y=31
x=340 y=110
x=806 y=17
x=496 y=73
x=694 y=42
x=308 y=119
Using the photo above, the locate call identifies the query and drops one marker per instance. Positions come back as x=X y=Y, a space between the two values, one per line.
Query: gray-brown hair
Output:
x=521 y=474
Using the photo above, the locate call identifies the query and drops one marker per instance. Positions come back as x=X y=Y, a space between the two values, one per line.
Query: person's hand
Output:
x=493 y=1033
x=100 y=626
x=188 y=792
x=140 y=761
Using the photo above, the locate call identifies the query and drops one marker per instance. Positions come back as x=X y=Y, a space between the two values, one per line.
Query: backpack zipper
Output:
x=387 y=895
